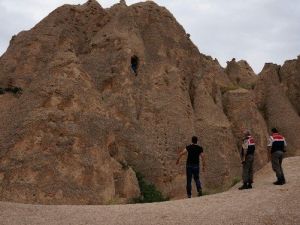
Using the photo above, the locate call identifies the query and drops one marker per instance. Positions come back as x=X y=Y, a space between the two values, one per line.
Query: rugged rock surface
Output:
x=290 y=77
x=240 y=73
x=275 y=106
x=85 y=122
x=244 y=114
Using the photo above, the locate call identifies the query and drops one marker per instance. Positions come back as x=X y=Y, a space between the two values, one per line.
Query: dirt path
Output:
x=265 y=204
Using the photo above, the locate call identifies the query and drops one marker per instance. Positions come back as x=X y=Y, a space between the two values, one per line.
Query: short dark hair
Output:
x=274 y=130
x=194 y=140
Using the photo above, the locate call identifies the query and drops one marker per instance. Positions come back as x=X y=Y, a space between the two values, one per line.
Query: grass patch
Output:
x=149 y=193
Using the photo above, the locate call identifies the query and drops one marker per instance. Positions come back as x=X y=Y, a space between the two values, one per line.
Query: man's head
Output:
x=274 y=130
x=194 y=140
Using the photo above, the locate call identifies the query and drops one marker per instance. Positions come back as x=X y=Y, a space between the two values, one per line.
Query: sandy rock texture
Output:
x=241 y=73
x=264 y=204
x=290 y=76
x=85 y=123
x=276 y=107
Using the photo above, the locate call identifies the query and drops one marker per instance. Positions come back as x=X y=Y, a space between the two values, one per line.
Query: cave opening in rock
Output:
x=134 y=64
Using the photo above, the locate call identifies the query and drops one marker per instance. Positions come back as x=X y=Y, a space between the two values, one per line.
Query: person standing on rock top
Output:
x=277 y=145
x=194 y=152
x=247 y=158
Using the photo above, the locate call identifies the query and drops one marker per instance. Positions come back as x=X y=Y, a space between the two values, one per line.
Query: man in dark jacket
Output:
x=194 y=151
x=277 y=146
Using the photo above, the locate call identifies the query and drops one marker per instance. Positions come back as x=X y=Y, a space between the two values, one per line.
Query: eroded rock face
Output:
x=214 y=129
x=241 y=74
x=275 y=106
x=59 y=142
x=290 y=77
x=86 y=122
x=242 y=111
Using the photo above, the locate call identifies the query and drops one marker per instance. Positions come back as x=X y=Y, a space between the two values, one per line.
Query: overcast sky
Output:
x=258 y=31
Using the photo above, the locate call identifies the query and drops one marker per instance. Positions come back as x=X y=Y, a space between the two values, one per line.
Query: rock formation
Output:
x=87 y=119
x=240 y=73
x=273 y=101
x=290 y=77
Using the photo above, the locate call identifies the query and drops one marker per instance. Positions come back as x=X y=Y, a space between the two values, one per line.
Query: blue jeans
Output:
x=192 y=171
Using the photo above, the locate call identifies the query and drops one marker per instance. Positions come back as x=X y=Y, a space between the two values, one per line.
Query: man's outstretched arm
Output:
x=183 y=152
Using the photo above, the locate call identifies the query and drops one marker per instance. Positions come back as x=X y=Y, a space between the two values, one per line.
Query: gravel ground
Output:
x=264 y=204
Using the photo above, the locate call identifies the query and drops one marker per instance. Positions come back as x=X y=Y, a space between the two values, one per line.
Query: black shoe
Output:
x=200 y=193
x=189 y=196
x=245 y=186
x=279 y=182
x=249 y=186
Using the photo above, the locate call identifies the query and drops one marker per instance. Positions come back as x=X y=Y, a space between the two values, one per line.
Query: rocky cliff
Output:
x=95 y=95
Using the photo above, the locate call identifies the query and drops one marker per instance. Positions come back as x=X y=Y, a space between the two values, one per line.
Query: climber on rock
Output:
x=134 y=64
x=193 y=151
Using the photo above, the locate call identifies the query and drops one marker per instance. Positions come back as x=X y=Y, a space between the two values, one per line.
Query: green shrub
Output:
x=149 y=193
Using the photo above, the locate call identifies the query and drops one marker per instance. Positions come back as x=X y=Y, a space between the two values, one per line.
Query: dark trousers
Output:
x=134 y=68
x=277 y=158
x=248 y=169
x=192 y=171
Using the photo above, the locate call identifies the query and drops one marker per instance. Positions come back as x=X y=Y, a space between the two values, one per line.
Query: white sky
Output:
x=258 y=31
